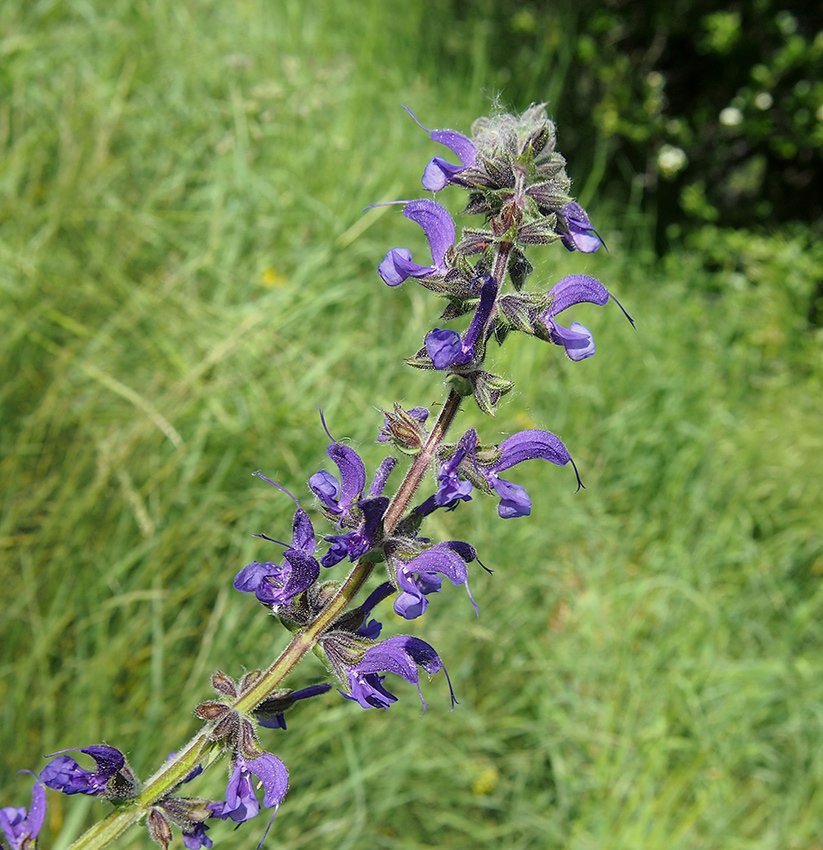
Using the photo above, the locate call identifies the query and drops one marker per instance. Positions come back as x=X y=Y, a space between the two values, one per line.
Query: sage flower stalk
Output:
x=348 y=532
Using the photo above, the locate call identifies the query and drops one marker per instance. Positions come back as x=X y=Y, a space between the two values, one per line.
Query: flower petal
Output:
x=398 y=265
x=514 y=500
x=445 y=347
x=577 y=340
x=439 y=172
x=530 y=445
x=575 y=289
x=275 y=778
x=437 y=225
x=579 y=235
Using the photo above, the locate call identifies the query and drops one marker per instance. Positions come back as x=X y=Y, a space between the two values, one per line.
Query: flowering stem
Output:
x=514 y=154
x=200 y=749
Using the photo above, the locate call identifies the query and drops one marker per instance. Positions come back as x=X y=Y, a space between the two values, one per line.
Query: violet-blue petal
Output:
x=438 y=227
x=411 y=602
x=419 y=577
x=574 y=289
x=439 y=172
x=514 y=500
x=64 y=774
x=368 y=690
x=341 y=546
x=196 y=837
x=303 y=573
x=576 y=339
x=270 y=713
x=450 y=487
x=488 y=294
x=373 y=510
x=532 y=444
x=20 y=827
x=250 y=577
x=442 y=559
x=401 y=655
x=398 y=266
x=352 y=474
x=579 y=235
x=353 y=544
x=327 y=489
x=275 y=778
x=338 y=497
x=241 y=802
x=381 y=476
x=303 y=537
x=371 y=628
x=466 y=551
x=445 y=347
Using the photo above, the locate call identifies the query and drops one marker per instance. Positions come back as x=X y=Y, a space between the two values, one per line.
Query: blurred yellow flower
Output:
x=271 y=277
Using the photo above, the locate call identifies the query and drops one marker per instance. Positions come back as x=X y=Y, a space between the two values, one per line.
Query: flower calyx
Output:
x=229 y=726
x=405 y=429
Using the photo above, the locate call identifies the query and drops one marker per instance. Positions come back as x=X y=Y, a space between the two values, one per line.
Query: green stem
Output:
x=200 y=750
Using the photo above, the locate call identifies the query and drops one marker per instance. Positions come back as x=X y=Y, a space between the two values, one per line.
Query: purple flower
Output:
x=343 y=502
x=65 y=774
x=20 y=827
x=385 y=469
x=578 y=235
x=525 y=445
x=420 y=576
x=577 y=340
x=371 y=629
x=450 y=488
x=278 y=584
x=353 y=544
x=241 y=802
x=401 y=655
x=447 y=348
x=438 y=172
x=271 y=712
x=438 y=226
x=196 y=837
x=339 y=497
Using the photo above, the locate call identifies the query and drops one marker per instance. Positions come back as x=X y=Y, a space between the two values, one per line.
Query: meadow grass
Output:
x=188 y=274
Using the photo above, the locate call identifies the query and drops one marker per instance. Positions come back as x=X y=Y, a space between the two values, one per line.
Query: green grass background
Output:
x=186 y=274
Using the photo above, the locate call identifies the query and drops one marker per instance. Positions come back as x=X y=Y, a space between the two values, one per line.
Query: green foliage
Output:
x=717 y=114
x=188 y=274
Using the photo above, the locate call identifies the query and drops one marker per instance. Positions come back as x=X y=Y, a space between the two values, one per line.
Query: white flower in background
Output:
x=763 y=100
x=671 y=160
x=731 y=116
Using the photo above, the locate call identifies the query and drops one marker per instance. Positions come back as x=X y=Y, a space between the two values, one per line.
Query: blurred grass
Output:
x=187 y=275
